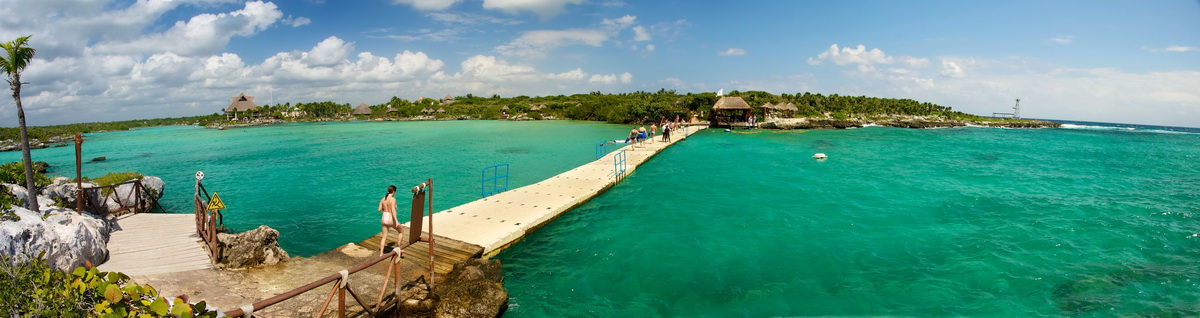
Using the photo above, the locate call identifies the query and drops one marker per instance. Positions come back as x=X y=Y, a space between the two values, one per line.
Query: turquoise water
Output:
x=1086 y=221
x=319 y=184
x=897 y=222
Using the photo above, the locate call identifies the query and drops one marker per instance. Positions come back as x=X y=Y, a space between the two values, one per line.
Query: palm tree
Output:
x=19 y=56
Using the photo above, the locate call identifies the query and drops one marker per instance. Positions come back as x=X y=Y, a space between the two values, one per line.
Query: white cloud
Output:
x=603 y=79
x=732 y=52
x=543 y=8
x=952 y=69
x=427 y=5
x=535 y=43
x=858 y=55
x=640 y=34
x=1062 y=39
x=650 y=47
x=329 y=52
x=296 y=22
x=626 y=78
x=619 y=23
x=1173 y=48
x=202 y=34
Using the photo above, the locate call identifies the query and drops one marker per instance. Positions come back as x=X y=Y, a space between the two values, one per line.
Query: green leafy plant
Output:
x=31 y=288
x=115 y=178
x=14 y=172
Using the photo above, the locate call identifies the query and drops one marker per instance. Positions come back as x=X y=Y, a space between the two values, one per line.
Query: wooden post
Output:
x=78 y=173
x=341 y=300
x=430 y=194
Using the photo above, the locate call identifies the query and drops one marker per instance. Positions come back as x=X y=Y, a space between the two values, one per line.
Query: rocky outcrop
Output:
x=67 y=239
x=921 y=123
x=1020 y=124
x=259 y=246
x=813 y=123
x=474 y=288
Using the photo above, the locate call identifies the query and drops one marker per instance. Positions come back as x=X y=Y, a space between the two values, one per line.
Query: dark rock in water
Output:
x=474 y=288
x=251 y=248
x=99 y=159
x=40 y=166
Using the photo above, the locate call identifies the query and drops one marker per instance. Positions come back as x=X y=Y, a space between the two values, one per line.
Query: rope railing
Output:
x=341 y=285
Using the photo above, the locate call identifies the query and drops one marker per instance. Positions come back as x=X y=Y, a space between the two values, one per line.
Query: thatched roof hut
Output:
x=768 y=106
x=241 y=103
x=441 y=110
x=731 y=103
x=448 y=97
x=362 y=109
x=392 y=110
x=730 y=110
x=788 y=107
x=504 y=108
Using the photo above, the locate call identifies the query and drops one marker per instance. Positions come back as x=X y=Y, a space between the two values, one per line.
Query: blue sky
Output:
x=1112 y=61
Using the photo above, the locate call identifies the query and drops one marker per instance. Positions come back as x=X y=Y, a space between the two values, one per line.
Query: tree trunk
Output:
x=30 y=189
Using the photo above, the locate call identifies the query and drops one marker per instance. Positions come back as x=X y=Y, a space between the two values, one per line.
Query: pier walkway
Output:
x=155 y=243
x=498 y=221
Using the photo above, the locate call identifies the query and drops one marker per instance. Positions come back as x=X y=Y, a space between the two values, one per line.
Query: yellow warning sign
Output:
x=215 y=203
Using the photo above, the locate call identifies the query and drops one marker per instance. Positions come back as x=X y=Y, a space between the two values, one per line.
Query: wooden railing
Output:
x=206 y=223
x=131 y=203
x=341 y=285
x=340 y=280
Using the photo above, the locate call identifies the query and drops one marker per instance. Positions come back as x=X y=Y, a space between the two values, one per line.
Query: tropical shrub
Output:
x=31 y=288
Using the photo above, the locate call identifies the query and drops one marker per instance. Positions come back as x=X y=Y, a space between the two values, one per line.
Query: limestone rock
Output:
x=259 y=246
x=474 y=288
x=153 y=191
x=415 y=301
x=40 y=166
x=67 y=238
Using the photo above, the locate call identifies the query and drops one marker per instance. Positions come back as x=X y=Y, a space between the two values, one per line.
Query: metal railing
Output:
x=601 y=148
x=619 y=165
x=495 y=179
x=96 y=199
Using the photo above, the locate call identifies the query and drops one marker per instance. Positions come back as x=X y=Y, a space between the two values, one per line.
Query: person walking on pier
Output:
x=653 y=131
x=666 y=131
x=387 y=206
x=641 y=134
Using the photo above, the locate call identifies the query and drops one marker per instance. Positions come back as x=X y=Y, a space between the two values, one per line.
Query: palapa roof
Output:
x=424 y=110
x=441 y=110
x=241 y=103
x=362 y=109
x=768 y=106
x=789 y=106
x=731 y=102
x=392 y=110
x=505 y=107
x=448 y=97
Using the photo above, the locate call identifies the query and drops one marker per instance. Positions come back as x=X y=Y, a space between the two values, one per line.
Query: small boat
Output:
x=820 y=156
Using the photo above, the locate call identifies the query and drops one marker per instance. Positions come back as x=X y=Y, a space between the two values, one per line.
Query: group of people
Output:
x=639 y=134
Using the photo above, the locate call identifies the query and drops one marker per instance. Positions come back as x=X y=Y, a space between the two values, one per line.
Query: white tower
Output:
x=1017 y=109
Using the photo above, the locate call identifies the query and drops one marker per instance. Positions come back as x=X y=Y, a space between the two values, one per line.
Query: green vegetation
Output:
x=19 y=55
x=116 y=177
x=47 y=132
x=31 y=288
x=14 y=172
x=617 y=108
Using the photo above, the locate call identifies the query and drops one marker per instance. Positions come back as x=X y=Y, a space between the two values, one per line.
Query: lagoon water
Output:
x=1088 y=220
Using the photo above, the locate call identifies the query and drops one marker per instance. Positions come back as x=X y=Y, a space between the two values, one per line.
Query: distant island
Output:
x=785 y=111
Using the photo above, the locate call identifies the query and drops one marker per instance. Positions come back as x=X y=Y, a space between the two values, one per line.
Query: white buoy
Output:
x=819 y=156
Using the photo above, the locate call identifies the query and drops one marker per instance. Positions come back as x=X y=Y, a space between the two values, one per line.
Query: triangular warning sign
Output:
x=215 y=203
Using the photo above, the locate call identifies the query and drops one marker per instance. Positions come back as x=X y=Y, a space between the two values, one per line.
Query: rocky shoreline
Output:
x=903 y=122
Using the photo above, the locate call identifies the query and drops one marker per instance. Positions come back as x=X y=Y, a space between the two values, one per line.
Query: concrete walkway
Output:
x=155 y=243
x=498 y=221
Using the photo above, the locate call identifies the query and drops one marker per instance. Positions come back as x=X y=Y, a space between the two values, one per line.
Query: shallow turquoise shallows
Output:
x=1087 y=221
x=319 y=184
x=897 y=222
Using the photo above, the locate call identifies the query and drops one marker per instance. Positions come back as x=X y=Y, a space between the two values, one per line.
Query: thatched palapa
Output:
x=730 y=110
x=362 y=109
x=240 y=105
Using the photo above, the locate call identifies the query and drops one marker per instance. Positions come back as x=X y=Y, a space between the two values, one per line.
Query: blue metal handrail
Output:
x=495 y=180
x=619 y=165
x=601 y=148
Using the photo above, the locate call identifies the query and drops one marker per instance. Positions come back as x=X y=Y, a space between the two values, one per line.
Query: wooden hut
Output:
x=362 y=109
x=441 y=110
x=239 y=107
x=730 y=111
x=787 y=110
